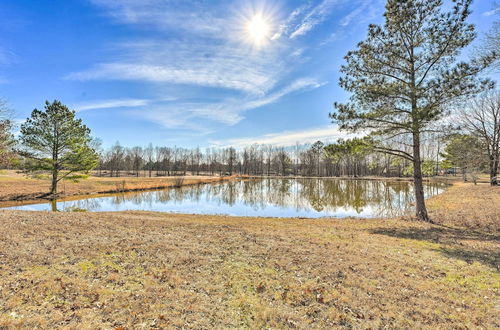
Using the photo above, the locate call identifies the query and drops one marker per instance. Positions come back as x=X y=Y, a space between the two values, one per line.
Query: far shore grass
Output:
x=19 y=187
x=130 y=270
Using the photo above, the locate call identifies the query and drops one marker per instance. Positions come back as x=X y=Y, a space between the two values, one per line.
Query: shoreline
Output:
x=123 y=185
x=130 y=186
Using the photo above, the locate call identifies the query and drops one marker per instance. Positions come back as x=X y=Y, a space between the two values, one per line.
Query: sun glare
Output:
x=258 y=29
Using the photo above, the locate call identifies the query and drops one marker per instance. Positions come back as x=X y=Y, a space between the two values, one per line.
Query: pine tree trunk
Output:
x=421 y=210
x=53 y=189
x=53 y=205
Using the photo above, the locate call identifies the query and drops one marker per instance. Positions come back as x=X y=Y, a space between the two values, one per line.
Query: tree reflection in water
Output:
x=270 y=197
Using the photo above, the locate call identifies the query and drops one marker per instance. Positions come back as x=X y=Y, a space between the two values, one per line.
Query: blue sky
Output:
x=187 y=72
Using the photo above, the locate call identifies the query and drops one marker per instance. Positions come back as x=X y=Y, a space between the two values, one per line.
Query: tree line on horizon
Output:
x=261 y=160
x=405 y=80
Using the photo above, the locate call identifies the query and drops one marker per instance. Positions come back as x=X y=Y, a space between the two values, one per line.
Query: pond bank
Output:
x=17 y=187
x=466 y=205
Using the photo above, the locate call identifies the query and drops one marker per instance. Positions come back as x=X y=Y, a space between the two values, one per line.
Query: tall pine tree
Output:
x=405 y=74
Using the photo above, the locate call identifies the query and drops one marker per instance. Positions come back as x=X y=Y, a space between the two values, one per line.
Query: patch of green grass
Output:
x=477 y=277
x=86 y=266
x=246 y=284
x=40 y=176
x=75 y=209
x=420 y=244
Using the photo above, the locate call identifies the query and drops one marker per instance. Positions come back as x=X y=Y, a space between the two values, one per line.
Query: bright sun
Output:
x=258 y=29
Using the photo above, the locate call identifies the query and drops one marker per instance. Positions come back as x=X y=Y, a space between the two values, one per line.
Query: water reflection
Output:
x=266 y=197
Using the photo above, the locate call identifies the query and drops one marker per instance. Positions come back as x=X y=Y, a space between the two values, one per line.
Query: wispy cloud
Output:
x=346 y=20
x=7 y=57
x=288 y=138
x=315 y=16
x=190 y=71
x=365 y=11
x=229 y=111
x=208 y=54
x=299 y=84
x=492 y=12
x=110 y=104
x=307 y=17
x=292 y=20
x=167 y=15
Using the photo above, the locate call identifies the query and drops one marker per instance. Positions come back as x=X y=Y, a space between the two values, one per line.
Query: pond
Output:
x=310 y=198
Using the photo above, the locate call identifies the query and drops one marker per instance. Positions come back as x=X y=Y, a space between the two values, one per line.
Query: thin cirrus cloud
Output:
x=230 y=111
x=287 y=138
x=167 y=15
x=314 y=17
x=353 y=14
x=7 y=58
x=195 y=61
x=304 y=19
x=110 y=104
x=492 y=12
x=191 y=71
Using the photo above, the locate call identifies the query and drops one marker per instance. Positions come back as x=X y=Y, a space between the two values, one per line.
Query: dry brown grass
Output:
x=15 y=186
x=153 y=270
x=467 y=205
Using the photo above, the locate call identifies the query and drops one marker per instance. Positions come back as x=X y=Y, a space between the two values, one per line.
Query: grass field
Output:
x=153 y=270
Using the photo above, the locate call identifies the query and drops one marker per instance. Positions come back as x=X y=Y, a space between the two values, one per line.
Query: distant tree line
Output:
x=316 y=160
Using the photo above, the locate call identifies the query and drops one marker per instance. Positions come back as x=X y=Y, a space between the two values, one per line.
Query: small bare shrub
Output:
x=178 y=181
x=120 y=186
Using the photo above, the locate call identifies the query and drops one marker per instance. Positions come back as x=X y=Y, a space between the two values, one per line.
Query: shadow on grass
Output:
x=453 y=242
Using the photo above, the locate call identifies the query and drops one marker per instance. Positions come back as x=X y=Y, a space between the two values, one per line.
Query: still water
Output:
x=264 y=197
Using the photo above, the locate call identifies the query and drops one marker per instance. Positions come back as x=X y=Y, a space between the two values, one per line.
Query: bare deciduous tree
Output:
x=490 y=45
x=6 y=140
x=481 y=118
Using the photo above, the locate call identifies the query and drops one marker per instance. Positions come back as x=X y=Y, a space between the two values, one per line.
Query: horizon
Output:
x=189 y=74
